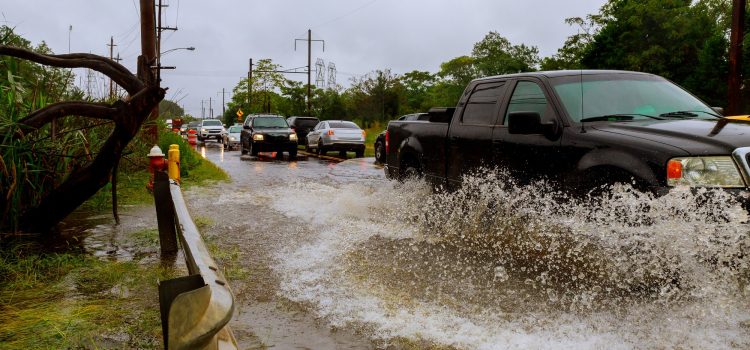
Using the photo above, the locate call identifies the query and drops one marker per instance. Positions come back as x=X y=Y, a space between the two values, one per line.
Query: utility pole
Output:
x=309 y=64
x=210 y=109
x=148 y=51
x=735 y=57
x=223 y=103
x=249 y=86
x=203 y=110
x=111 y=56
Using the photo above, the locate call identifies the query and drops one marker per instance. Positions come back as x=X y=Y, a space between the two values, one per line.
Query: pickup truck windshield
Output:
x=638 y=96
x=270 y=122
x=235 y=129
x=212 y=123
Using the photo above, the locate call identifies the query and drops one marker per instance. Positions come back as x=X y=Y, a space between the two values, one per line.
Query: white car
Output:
x=211 y=129
x=232 y=137
x=336 y=135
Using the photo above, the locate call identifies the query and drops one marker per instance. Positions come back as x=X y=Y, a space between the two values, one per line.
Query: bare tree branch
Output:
x=119 y=74
x=40 y=117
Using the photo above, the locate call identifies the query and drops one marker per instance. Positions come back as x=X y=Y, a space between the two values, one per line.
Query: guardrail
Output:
x=195 y=309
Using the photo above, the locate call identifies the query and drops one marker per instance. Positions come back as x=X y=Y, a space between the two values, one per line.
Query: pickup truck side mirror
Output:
x=530 y=123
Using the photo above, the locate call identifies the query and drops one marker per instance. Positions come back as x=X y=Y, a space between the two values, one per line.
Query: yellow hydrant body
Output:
x=174 y=162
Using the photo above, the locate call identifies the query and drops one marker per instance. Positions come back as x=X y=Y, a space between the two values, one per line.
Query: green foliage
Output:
x=32 y=163
x=678 y=39
x=189 y=158
x=495 y=55
x=170 y=110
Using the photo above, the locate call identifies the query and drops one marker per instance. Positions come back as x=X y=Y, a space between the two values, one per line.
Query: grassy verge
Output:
x=74 y=300
x=131 y=185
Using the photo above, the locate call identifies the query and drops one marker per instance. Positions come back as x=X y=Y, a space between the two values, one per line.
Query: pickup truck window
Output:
x=527 y=97
x=639 y=95
x=481 y=107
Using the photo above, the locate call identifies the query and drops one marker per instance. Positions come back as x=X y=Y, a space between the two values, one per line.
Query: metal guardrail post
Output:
x=164 y=213
x=197 y=308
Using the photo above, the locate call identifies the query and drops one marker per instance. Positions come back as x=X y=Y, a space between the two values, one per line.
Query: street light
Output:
x=179 y=48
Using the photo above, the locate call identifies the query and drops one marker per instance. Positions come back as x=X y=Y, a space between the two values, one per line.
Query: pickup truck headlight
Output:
x=204 y=130
x=232 y=138
x=258 y=137
x=704 y=172
x=292 y=137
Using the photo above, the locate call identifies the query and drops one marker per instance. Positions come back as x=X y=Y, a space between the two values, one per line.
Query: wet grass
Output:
x=74 y=300
x=131 y=186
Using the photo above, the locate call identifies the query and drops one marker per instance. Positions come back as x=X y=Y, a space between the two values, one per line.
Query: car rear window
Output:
x=233 y=129
x=212 y=123
x=308 y=123
x=343 y=125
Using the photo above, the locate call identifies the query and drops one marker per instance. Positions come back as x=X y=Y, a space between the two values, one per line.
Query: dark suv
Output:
x=302 y=126
x=267 y=133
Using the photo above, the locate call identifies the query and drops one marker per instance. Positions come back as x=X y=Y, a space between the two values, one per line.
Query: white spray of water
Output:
x=494 y=266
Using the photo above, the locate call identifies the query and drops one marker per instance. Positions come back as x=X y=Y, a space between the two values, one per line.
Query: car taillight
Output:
x=387 y=142
x=330 y=132
x=364 y=134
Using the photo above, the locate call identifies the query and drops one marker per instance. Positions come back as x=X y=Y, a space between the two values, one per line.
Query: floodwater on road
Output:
x=340 y=257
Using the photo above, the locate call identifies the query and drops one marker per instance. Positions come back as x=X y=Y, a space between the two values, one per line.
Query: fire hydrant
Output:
x=156 y=163
x=173 y=156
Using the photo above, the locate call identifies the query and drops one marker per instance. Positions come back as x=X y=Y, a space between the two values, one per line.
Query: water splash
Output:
x=494 y=264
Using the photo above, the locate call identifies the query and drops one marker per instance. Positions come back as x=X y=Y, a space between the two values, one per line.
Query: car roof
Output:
x=562 y=73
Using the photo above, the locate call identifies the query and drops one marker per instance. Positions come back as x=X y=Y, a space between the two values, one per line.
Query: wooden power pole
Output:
x=148 y=51
x=735 y=57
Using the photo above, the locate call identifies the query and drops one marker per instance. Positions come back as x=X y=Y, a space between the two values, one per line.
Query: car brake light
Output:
x=364 y=134
x=387 y=142
x=674 y=169
x=330 y=132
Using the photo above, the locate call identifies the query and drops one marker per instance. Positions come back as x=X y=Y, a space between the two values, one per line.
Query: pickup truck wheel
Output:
x=379 y=152
x=412 y=173
x=292 y=153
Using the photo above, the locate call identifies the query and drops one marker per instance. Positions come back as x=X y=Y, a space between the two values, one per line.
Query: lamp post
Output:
x=179 y=48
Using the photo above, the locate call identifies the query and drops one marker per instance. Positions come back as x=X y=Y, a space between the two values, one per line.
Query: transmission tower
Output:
x=331 y=75
x=320 y=74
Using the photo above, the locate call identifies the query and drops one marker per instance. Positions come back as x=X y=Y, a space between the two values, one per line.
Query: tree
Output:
x=495 y=55
x=416 y=87
x=376 y=96
x=25 y=143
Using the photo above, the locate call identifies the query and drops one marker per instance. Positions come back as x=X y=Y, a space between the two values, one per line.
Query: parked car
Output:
x=302 y=126
x=380 y=141
x=211 y=129
x=336 y=135
x=232 y=137
x=580 y=130
x=267 y=133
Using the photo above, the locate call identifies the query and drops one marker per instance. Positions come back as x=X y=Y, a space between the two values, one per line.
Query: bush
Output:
x=189 y=158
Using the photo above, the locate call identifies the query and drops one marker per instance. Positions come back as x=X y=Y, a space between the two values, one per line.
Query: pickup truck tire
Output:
x=379 y=152
x=293 y=153
x=411 y=172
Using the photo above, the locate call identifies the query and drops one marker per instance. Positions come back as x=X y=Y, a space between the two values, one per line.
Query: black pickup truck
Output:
x=580 y=130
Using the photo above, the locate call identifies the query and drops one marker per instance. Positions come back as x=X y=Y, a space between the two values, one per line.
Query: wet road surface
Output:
x=334 y=256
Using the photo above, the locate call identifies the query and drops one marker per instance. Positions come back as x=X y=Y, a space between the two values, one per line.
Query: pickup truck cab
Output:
x=580 y=130
x=211 y=129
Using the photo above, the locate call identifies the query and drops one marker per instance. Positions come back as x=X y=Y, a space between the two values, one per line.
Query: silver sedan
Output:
x=336 y=135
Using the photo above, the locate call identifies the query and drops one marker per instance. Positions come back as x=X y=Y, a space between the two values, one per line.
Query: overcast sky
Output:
x=360 y=35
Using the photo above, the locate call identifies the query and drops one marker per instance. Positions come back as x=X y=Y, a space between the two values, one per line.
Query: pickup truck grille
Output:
x=742 y=157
